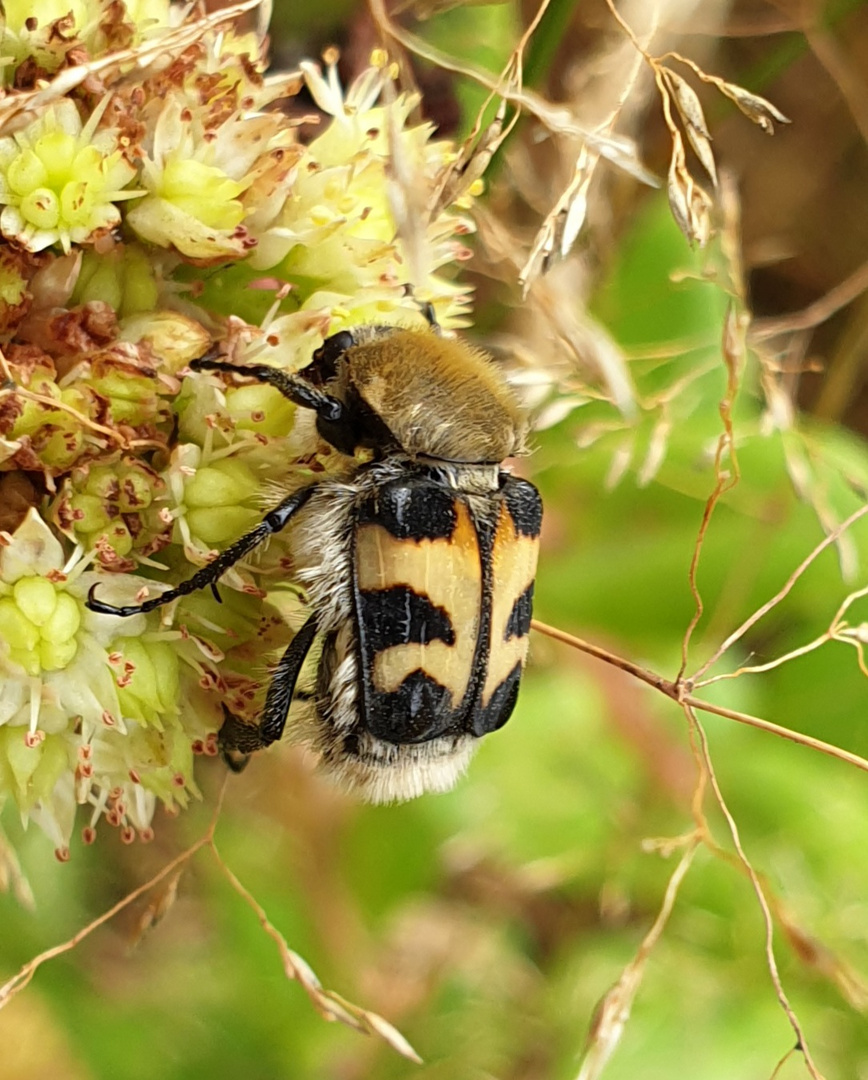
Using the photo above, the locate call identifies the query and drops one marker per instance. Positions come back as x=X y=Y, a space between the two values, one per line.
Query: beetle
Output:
x=418 y=559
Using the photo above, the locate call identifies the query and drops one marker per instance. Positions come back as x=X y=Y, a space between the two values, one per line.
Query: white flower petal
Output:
x=34 y=550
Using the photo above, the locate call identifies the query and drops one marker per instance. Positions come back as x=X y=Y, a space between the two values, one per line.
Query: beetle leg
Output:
x=430 y=315
x=243 y=738
x=426 y=308
x=299 y=391
x=273 y=522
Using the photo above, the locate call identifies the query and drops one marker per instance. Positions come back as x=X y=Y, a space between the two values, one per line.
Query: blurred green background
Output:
x=487 y=923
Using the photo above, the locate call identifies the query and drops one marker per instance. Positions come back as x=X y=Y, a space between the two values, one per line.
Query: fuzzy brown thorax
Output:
x=439 y=397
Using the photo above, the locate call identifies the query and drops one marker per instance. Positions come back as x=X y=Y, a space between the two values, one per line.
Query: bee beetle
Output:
x=418 y=560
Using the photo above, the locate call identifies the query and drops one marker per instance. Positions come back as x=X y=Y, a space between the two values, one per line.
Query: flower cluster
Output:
x=145 y=214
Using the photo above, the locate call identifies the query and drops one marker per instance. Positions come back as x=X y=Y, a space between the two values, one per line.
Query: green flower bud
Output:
x=259 y=408
x=220 y=525
x=16 y=629
x=221 y=484
x=217 y=499
x=41 y=208
x=21 y=757
x=149 y=685
x=120 y=385
x=102 y=483
x=36 y=598
x=33 y=769
x=26 y=172
x=139 y=282
x=123 y=278
x=27 y=659
x=118 y=537
x=63 y=623
x=88 y=513
x=56 y=152
x=63 y=447
x=15 y=273
x=12 y=285
x=173 y=338
x=135 y=491
x=32 y=415
x=172 y=776
x=56 y=655
x=39 y=623
x=99 y=280
x=53 y=762
x=116 y=508
x=132 y=389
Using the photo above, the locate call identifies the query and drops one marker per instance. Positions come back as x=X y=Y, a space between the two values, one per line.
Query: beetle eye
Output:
x=331 y=350
x=340 y=342
x=323 y=366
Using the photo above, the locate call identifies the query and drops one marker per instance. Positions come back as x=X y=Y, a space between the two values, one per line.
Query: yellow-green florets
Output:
x=145 y=219
x=39 y=623
x=61 y=180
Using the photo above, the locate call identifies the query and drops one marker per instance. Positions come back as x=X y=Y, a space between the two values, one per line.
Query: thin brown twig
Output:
x=54 y=403
x=625 y=26
x=776 y=1072
x=731 y=345
x=21 y=979
x=817 y=312
x=834 y=633
x=721 y=485
x=768 y=921
x=679 y=692
x=858 y=645
x=657 y=681
x=330 y=1005
x=613 y=1011
x=756 y=669
x=784 y=591
x=518 y=51
x=777 y=729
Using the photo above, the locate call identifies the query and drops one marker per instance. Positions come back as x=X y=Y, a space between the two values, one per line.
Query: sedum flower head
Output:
x=76 y=697
x=60 y=180
x=198 y=164
x=115 y=510
x=132 y=241
x=41 y=36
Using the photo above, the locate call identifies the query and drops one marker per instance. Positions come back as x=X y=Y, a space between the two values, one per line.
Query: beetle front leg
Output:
x=298 y=391
x=273 y=522
x=243 y=738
